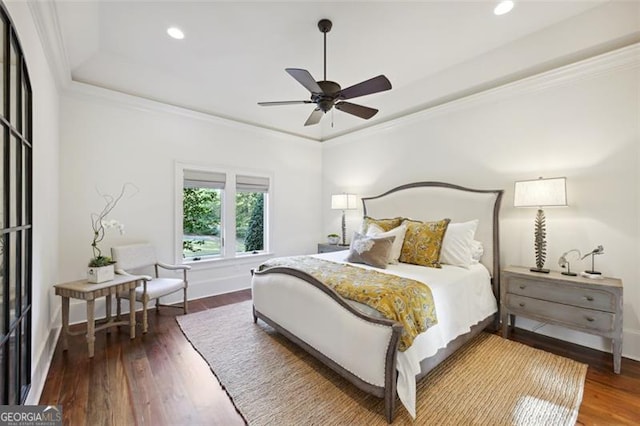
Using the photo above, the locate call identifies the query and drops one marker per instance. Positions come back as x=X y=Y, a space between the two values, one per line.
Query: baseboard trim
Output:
x=41 y=366
x=630 y=338
x=631 y=344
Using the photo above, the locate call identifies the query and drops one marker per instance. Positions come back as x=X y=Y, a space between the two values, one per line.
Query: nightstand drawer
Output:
x=559 y=313
x=565 y=294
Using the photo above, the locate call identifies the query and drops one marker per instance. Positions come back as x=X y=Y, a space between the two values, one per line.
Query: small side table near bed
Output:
x=328 y=248
x=592 y=306
x=81 y=289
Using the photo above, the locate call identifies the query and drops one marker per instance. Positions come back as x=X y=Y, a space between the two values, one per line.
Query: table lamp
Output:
x=344 y=202
x=540 y=193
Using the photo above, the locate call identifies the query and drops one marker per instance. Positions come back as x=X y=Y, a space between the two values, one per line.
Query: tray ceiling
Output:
x=234 y=53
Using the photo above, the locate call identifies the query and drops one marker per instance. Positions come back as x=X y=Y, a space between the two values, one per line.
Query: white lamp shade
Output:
x=540 y=192
x=344 y=202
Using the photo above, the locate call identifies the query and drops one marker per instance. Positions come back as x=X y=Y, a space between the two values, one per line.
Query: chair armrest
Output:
x=143 y=277
x=173 y=267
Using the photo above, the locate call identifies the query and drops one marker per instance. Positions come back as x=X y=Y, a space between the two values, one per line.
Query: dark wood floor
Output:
x=159 y=379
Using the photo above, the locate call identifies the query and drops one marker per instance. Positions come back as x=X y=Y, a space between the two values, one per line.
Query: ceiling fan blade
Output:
x=304 y=77
x=373 y=85
x=357 y=110
x=283 y=103
x=315 y=117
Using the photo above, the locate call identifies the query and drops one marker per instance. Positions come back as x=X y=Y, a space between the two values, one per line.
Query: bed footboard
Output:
x=360 y=348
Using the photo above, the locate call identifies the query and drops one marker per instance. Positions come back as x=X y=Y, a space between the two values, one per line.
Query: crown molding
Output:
x=93 y=93
x=611 y=62
x=45 y=18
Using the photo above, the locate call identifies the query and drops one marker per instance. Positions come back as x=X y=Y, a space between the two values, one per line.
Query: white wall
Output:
x=45 y=191
x=580 y=122
x=108 y=139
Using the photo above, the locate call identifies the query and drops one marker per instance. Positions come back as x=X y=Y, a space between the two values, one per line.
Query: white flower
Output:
x=113 y=223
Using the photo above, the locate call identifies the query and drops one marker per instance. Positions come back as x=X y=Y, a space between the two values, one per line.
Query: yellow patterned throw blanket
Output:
x=404 y=300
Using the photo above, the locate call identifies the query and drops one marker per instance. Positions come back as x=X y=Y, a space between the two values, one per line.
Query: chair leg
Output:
x=145 y=324
x=157 y=305
x=118 y=309
x=185 y=306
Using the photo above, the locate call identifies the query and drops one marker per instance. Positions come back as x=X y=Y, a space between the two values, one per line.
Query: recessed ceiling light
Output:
x=175 y=33
x=503 y=7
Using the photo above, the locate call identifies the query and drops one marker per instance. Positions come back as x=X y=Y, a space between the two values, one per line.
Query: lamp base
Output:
x=571 y=274
x=593 y=272
x=541 y=270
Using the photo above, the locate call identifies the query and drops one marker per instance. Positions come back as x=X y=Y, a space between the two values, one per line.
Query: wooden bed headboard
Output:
x=429 y=201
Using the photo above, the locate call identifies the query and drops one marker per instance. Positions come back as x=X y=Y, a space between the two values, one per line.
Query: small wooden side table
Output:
x=588 y=305
x=81 y=289
x=328 y=248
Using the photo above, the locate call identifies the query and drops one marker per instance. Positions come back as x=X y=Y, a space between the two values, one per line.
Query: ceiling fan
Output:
x=327 y=94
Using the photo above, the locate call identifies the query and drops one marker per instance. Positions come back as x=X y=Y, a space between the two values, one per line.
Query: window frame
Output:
x=227 y=215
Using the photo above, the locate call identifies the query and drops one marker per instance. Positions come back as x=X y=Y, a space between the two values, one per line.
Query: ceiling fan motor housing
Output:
x=326 y=99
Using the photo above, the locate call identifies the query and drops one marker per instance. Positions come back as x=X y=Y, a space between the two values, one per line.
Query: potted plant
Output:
x=100 y=268
x=333 y=238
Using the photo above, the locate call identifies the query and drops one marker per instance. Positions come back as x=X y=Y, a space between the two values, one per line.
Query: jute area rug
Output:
x=491 y=381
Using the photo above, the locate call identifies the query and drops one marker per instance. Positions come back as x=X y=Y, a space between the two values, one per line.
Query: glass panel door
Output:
x=15 y=217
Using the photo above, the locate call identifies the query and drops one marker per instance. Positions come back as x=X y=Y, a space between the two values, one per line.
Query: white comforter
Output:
x=463 y=298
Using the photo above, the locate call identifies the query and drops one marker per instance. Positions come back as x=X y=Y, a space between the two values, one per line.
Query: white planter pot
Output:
x=333 y=240
x=100 y=274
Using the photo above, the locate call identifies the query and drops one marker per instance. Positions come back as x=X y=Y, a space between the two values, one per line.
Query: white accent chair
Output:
x=136 y=257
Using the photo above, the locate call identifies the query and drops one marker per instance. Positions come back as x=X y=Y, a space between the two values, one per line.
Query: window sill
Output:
x=243 y=259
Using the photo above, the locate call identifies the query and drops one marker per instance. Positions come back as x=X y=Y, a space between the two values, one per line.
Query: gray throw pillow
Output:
x=372 y=251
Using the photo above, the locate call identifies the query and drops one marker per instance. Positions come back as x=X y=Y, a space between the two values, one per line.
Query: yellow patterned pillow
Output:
x=423 y=242
x=384 y=224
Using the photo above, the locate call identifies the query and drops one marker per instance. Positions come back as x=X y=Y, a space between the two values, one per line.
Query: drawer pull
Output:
x=522 y=287
x=589 y=298
x=521 y=305
x=590 y=319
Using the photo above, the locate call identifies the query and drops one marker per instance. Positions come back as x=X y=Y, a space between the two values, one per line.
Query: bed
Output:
x=363 y=346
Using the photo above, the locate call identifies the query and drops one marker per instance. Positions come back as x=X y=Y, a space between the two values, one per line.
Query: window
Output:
x=15 y=218
x=251 y=192
x=223 y=213
x=202 y=213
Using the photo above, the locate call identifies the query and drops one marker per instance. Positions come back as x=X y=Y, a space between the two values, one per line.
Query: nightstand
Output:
x=589 y=305
x=328 y=248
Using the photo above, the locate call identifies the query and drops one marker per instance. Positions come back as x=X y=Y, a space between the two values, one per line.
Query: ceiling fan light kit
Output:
x=327 y=94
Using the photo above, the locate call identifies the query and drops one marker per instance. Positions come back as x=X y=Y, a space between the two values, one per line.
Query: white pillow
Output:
x=477 y=250
x=457 y=244
x=398 y=232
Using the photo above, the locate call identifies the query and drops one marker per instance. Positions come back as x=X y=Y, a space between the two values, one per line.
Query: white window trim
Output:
x=228 y=214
